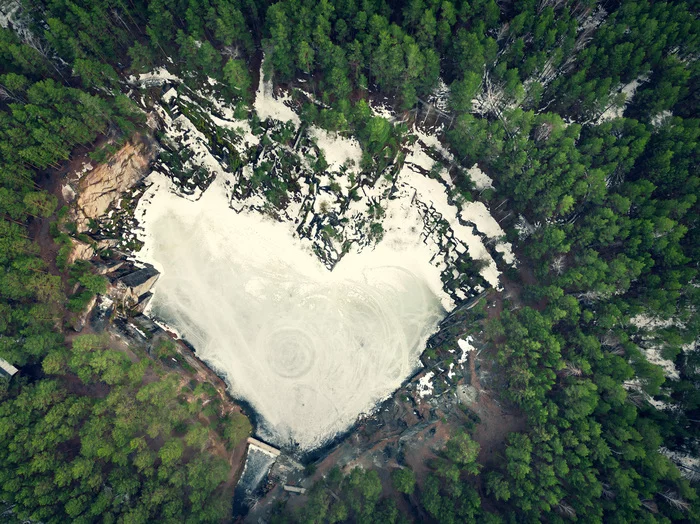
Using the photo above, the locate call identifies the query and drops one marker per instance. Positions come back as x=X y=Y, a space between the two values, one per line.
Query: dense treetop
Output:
x=609 y=211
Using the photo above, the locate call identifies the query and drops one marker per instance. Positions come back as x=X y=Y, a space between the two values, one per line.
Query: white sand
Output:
x=309 y=349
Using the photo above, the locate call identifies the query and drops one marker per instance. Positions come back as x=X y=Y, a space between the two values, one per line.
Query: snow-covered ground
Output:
x=480 y=216
x=337 y=149
x=310 y=349
x=425 y=385
x=481 y=180
x=432 y=191
x=156 y=77
x=688 y=465
x=11 y=15
x=466 y=347
x=616 y=111
x=379 y=109
x=651 y=351
x=267 y=105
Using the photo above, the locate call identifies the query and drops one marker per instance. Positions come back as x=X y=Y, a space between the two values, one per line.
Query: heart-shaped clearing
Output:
x=309 y=349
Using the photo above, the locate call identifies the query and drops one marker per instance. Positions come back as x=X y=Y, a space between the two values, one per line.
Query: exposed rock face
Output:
x=467 y=394
x=132 y=285
x=107 y=243
x=81 y=251
x=82 y=319
x=103 y=186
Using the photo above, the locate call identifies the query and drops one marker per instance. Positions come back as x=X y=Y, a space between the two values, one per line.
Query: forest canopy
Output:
x=584 y=114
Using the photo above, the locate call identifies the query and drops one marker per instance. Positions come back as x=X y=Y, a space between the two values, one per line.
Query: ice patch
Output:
x=311 y=350
x=308 y=348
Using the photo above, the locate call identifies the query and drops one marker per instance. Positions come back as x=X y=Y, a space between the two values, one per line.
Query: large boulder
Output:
x=132 y=285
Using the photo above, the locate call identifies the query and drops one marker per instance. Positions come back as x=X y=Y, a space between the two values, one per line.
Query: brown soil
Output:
x=235 y=457
x=495 y=424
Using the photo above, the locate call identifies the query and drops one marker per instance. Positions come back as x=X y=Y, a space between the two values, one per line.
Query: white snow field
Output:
x=309 y=349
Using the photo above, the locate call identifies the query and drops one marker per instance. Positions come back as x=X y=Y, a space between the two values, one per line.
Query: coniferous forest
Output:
x=90 y=433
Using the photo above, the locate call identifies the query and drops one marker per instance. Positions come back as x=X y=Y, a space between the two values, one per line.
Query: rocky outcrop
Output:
x=107 y=243
x=132 y=285
x=81 y=320
x=81 y=251
x=103 y=186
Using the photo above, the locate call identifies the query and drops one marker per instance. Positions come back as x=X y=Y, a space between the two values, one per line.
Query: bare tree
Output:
x=566 y=510
x=637 y=398
x=554 y=4
x=7 y=94
x=572 y=371
x=543 y=132
x=675 y=500
x=590 y=297
x=650 y=505
x=231 y=51
x=558 y=265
